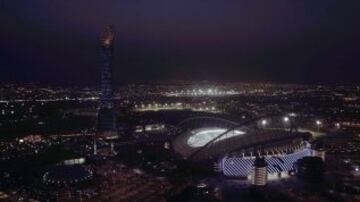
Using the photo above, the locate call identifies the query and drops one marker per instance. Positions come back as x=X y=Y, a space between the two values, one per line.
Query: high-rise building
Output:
x=106 y=122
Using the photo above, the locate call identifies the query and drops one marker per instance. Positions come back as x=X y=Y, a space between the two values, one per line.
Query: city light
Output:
x=212 y=92
x=264 y=122
x=318 y=122
x=337 y=125
x=286 y=119
x=206 y=107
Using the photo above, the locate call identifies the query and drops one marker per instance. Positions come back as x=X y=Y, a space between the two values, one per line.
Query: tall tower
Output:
x=107 y=46
x=106 y=120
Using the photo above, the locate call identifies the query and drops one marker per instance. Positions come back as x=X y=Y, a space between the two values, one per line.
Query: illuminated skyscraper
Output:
x=106 y=123
x=107 y=46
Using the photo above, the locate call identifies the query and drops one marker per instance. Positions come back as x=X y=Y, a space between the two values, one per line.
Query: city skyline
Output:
x=270 y=41
x=170 y=101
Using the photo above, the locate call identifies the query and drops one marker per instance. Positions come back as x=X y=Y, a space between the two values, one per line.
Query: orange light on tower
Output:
x=108 y=37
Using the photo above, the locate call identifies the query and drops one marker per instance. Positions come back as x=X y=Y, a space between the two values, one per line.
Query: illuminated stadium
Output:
x=234 y=146
x=67 y=175
x=203 y=136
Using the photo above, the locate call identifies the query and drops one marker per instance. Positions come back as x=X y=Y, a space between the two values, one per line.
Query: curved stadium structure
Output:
x=234 y=146
x=66 y=175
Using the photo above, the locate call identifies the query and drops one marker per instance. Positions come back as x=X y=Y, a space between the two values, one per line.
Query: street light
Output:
x=264 y=122
x=318 y=124
x=337 y=125
x=286 y=119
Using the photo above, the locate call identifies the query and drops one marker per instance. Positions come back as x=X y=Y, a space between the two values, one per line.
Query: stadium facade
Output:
x=234 y=147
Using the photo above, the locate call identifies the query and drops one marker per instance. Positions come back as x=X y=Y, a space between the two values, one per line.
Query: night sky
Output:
x=297 y=41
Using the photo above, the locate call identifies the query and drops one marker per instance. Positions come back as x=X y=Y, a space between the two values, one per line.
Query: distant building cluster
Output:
x=201 y=92
x=176 y=106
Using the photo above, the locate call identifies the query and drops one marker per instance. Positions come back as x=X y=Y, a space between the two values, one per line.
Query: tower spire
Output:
x=108 y=37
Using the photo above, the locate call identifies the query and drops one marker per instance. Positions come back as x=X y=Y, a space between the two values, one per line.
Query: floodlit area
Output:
x=201 y=107
x=203 y=136
x=212 y=92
